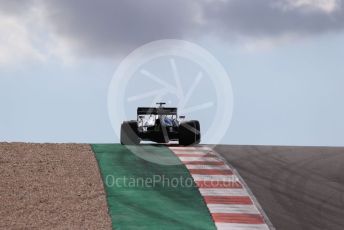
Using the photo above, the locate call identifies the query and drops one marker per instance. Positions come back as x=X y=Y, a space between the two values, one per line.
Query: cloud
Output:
x=109 y=28
x=15 y=6
x=106 y=27
x=16 y=41
x=271 y=18
x=327 y=6
x=25 y=35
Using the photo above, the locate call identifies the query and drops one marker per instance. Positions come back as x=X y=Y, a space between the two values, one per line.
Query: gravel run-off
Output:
x=51 y=186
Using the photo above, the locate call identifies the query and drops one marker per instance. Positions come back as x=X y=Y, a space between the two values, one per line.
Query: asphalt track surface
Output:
x=297 y=187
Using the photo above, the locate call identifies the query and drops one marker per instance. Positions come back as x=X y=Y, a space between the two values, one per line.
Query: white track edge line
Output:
x=235 y=226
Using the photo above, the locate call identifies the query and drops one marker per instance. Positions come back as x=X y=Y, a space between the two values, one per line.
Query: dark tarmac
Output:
x=297 y=187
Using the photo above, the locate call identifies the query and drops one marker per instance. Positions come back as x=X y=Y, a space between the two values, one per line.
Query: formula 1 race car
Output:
x=161 y=125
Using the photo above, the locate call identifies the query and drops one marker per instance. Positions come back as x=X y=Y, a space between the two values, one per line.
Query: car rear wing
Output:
x=156 y=111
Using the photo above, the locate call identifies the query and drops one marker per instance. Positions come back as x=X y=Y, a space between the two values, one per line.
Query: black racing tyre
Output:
x=198 y=134
x=129 y=133
x=189 y=133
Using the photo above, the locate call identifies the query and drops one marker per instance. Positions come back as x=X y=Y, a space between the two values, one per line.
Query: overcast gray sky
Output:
x=58 y=57
x=107 y=27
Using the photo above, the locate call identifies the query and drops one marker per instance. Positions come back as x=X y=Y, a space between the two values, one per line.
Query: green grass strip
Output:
x=137 y=199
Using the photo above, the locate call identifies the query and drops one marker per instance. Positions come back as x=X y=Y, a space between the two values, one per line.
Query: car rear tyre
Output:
x=189 y=133
x=129 y=133
x=198 y=134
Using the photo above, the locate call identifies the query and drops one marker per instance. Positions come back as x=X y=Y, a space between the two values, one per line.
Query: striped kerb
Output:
x=229 y=202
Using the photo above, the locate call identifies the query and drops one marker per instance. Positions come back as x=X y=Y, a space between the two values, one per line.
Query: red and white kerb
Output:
x=228 y=200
